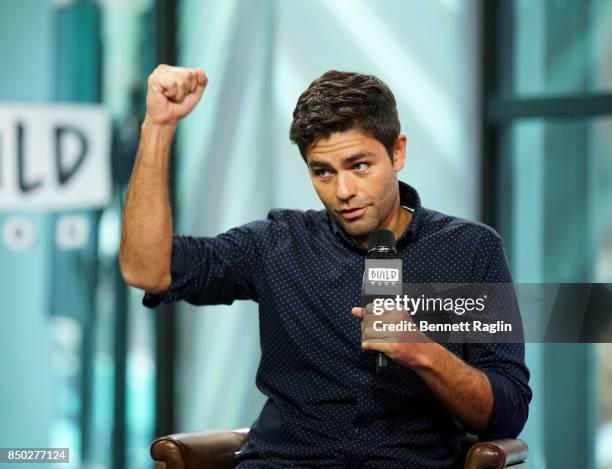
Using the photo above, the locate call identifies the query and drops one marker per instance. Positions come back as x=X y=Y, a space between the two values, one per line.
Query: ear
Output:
x=399 y=152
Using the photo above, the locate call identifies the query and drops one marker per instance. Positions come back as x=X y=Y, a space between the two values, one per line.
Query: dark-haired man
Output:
x=325 y=406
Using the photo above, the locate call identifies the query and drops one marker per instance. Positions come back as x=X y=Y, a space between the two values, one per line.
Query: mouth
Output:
x=353 y=213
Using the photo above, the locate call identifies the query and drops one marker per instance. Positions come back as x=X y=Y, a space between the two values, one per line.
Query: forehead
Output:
x=340 y=145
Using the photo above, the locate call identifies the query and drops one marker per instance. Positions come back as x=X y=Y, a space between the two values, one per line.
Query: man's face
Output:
x=356 y=180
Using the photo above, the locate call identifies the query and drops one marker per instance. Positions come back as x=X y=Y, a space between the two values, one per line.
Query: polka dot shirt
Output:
x=326 y=407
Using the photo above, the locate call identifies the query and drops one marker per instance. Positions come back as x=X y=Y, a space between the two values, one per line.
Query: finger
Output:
x=397 y=316
x=181 y=83
x=193 y=81
x=375 y=344
x=188 y=76
x=371 y=345
x=202 y=82
x=369 y=320
x=371 y=333
x=202 y=78
x=182 y=89
x=356 y=311
x=169 y=86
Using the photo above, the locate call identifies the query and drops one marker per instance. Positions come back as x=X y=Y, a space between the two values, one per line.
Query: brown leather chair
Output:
x=214 y=449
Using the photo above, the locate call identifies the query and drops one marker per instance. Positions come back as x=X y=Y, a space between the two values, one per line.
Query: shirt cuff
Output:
x=151 y=300
x=505 y=417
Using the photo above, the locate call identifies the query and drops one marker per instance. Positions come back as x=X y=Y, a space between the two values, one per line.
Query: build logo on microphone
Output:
x=383 y=276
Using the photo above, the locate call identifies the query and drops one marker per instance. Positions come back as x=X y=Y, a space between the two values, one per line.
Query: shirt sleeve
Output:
x=215 y=270
x=503 y=364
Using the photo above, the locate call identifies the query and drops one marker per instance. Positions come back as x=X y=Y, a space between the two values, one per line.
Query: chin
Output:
x=360 y=228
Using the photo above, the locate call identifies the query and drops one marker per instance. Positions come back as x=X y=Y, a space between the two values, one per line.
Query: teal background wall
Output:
x=27 y=414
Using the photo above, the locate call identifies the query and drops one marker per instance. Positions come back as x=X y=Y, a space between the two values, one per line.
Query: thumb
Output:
x=356 y=311
x=202 y=81
x=202 y=78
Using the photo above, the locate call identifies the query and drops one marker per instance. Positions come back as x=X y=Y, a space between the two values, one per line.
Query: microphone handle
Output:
x=387 y=260
x=381 y=363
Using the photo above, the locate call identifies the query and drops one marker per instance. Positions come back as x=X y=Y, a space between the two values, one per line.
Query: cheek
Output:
x=385 y=198
x=323 y=193
x=382 y=187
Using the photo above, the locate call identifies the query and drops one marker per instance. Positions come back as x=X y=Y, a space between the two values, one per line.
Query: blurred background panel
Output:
x=508 y=110
x=547 y=165
x=558 y=47
x=78 y=362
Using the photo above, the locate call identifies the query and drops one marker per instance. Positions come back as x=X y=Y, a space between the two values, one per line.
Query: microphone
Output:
x=382 y=276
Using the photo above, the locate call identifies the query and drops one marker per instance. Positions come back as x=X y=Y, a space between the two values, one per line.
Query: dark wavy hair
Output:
x=342 y=101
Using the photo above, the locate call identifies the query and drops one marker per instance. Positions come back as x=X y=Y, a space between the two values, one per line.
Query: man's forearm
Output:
x=146 y=236
x=464 y=390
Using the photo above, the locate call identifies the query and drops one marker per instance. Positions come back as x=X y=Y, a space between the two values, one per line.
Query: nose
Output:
x=345 y=186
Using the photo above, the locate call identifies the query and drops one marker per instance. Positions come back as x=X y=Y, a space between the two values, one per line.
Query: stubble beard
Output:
x=359 y=228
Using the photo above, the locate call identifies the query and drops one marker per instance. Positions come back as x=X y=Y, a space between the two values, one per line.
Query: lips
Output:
x=353 y=213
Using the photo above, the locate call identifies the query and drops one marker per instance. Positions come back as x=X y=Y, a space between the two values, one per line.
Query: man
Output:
x=326 y=407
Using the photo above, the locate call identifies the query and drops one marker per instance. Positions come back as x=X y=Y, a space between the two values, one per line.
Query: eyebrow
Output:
x=346 y=161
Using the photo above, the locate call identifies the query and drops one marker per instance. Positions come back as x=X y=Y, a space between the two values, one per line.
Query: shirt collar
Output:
x=409 y=198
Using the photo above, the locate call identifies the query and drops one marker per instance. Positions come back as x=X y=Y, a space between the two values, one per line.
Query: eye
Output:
x=321 y=172
x=361 y=166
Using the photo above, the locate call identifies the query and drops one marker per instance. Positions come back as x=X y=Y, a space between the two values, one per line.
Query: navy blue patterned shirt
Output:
x=326 y=407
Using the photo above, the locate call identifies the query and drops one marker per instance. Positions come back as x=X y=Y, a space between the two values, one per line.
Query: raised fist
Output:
x=173 y=92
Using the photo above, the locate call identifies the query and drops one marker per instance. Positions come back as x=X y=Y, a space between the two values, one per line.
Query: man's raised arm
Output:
x=146 y=234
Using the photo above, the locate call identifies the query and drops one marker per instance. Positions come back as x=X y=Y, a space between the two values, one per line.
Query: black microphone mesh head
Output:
x=382 y=238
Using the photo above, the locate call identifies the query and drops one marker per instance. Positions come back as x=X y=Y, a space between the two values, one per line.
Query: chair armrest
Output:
x=496 y=454
x=198 y=450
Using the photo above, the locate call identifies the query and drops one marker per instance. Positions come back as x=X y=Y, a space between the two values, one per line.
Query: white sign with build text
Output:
x=54 y=157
